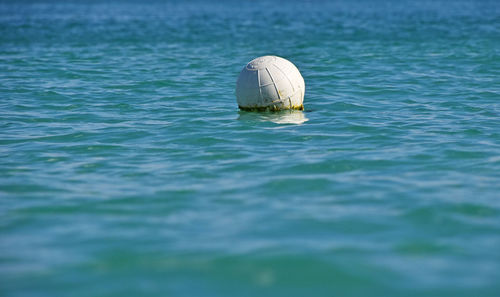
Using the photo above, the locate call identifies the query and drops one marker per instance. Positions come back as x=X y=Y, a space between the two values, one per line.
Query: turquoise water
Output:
x=127 y=169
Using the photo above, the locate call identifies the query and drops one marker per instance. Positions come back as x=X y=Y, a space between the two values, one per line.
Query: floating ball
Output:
x=270 y=83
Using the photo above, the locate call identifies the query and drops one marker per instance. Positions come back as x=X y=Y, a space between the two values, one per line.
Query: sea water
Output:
x=126 y=168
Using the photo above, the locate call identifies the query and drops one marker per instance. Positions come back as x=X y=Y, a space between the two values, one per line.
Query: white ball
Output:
x=270 y=83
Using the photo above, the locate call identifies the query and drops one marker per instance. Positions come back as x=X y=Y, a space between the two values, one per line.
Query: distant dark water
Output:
x=126 y=168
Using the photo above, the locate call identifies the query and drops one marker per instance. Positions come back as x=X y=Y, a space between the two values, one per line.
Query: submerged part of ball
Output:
x=270 y=83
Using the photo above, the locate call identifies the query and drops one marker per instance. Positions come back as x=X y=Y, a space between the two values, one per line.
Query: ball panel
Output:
x=269 y=94
x=292 y=72
x=264 y=78
x=246 y=92
x=282 y=81
x=260 y=62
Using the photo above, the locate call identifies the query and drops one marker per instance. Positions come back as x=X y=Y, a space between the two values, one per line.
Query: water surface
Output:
x=127 y=169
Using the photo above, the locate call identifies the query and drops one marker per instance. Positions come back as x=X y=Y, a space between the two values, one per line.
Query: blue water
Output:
x=126 y=168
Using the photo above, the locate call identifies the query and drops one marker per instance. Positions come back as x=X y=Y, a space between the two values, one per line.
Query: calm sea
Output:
x=126 y=168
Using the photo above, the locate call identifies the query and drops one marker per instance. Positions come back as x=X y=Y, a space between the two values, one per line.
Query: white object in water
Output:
x=270 y=83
